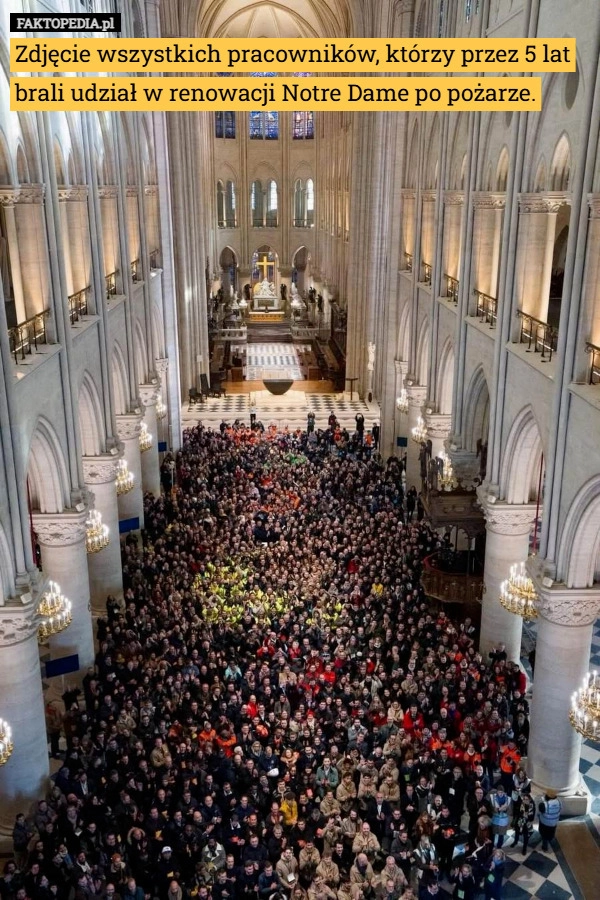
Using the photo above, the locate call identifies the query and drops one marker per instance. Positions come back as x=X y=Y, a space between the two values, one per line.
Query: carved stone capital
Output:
x=488 y=200
x=408 y=193
x=438 y=425
x=149 y=393
x=401 y=367
x=32 y=193
x=161 y=365
x=567 y=606
x=128 y=426
x=100 y=469
x=18 y=621
x=594 y=205
x=548 y=202
x=454 y=198
x=131 y=190
x=78 y=193
x=506 y=518
x=417 y=395
x=151 y=190
x=9 y=196
x=428 y=196
x=107 y=191
x=60 y=529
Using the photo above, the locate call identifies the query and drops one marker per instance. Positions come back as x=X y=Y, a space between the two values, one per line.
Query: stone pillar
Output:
x=161 y=366
x=31 y=232
x=110 y=230
x=508 y=526
x=131 y=505
x=453 y=207
x=64 y=559
x=400 y=419
x=24 y=778
x=488 y=211
x=537 y=231
x=149 y=394
x=417 y=395
x=77 y=237
x=564 y=634
x=8 y=199
x=427 y=234
x=106 y=576
x=408 y=224
x=438 y=430
x=589 y=320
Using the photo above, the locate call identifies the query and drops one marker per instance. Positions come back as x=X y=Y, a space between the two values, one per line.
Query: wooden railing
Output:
x=539 y=336
x=25 y=337
x=136 y=271
x=111 y=284
x=426 y=273
x=487 y=308
x=79 y=304
x=594 y=377
x=450 y=586
x=452 y=285
x=408 y=262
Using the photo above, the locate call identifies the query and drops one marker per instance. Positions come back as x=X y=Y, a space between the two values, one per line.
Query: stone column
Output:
x=149 y=394
x=488 y=211
x=24 y=778
x=427 y=234
x=110 y=230
x=31 y=232
x=417 y=394
x=589 y=321
x=537 y=231
x=131 y=505
x=8 y=199
x=161 y=366
x=453 y=208
x=400 y=420
x=64 y=560
x=438 y=430
x=408 y=225
x=77 y=237
x=508 y=526
x=106 y=576
x=564 y=634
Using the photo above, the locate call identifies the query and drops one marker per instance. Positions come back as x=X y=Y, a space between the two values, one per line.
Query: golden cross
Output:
x=265 y=265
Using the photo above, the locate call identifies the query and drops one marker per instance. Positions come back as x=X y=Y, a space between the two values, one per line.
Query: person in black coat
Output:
x=464 y=881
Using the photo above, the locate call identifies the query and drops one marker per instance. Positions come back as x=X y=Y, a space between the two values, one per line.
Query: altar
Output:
x=265 y=296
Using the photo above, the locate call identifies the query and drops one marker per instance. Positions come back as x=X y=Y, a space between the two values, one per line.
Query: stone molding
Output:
x=17 y=623
x=488 y=200
x=428 y=196
x=408 y=193
x=454 y=198
x=594 y=205
x=128 y=426
x=438 y=425
x=401 y=367
x=9 y=196
x=77 y=193
x=60 y=529
x=107 y=191
x=506 y=518
x=22 y=193
x=131 y=190
x=161 y=365
x=100 y=469
x=568 y=606
x=151 y=190
x=417 y=395
x=549 y=202
x=149 y=393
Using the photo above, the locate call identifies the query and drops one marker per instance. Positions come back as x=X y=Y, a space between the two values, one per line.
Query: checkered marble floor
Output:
x=281 y=360
x=541 y=874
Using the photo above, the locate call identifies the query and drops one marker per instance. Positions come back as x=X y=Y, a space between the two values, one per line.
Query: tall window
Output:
x=220 y=205
x=310 y=203
x=304 y=203
x=225 y=124
x=256 y=204
x=230 y=212
x=271 y=219
x=303 y=125
x=263 y=126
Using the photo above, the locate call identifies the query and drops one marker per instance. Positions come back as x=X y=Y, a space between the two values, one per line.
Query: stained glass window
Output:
x=225 y=124
x=303 y=125
x=263 y=126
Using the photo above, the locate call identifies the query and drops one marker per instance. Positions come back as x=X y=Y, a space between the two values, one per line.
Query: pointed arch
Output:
x=560 y=168
x=502 y=170
x=141 y=353
x=519 y=471
x=477 y=411
x=445 y=378
x=541 y=177
x=47 y=473
x=404 y=333
x=579 y=551
x=91 y=418
x=423 y=352
x=120 y=382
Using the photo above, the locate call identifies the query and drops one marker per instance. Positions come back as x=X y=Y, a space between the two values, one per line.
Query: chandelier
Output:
x=585 y=708
x=55 y=612
x=125 y=479
x=6 y=744
x=145 y=438
x=96 y=534
x=161 y=409
x=517 y=593
x=419 y=432
x=402 y=401
x=446 y=478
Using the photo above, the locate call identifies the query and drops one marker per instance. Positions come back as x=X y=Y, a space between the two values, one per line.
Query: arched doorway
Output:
x=301 y=269
x=228 y=265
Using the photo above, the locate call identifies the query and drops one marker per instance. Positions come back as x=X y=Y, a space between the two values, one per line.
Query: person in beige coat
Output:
x=346 y=793
x=390 y=872
x=361 y=873
x=309 y=858
x=329 y=871
x=390 y=790
x=287 y=869
x=329 y=806
x=366 y=842
x=351 y=826
x=318 y=890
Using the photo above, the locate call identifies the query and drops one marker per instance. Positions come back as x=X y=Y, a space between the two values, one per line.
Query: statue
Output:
x=283 y=293
x=294 y=290
x=247 y=295
x=371 y=362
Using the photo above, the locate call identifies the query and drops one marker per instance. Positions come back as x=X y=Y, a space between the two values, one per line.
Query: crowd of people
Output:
x=276 y=711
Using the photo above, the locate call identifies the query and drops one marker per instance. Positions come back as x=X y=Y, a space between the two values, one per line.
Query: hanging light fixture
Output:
x=585 y=708
x=96 y=534
x=446 y=478
x=124 y=481
x=161 y=409
x=55 y=612
x=402 y=401
x=419 y=432
x=6 y=744
x=145 y=438
x=517 y=593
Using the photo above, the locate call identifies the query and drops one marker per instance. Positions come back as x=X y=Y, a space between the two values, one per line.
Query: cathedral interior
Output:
x=431 y=280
